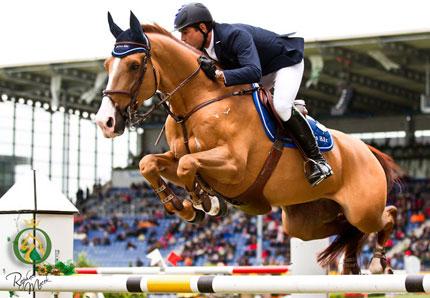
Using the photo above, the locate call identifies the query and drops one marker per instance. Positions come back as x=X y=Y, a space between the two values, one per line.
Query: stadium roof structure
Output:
x=374 y=76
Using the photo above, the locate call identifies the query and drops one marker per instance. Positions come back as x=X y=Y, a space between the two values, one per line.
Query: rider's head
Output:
x=194 y=22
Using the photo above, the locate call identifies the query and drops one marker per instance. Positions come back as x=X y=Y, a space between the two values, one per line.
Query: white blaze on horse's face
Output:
x=107 y=114
x=105 y=118
x=113 y=72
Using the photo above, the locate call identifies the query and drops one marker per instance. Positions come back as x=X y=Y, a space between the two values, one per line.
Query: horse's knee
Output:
x=148 y=165
x=186 y=165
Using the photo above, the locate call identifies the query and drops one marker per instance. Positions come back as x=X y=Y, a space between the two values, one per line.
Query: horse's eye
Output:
x=135 y=66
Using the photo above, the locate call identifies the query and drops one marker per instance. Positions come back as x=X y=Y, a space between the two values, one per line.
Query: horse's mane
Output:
x=155 y=28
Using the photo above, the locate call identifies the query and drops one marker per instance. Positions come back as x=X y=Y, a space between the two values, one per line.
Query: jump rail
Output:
x=186 y=270
x=218 y=284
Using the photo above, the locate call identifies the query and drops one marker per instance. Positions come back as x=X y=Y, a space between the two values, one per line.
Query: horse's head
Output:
x=129 y=81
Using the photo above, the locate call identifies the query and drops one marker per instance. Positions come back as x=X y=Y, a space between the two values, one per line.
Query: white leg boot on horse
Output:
x=204 y=201
x=378 y=264
x=152 y=166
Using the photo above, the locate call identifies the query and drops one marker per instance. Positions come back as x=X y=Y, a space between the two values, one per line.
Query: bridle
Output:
x=134 y=118
x=130 y=113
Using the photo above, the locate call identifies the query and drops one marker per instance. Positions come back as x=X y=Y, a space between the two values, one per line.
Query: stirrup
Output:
x=323 y=174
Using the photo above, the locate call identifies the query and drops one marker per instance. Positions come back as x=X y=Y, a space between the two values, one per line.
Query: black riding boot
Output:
x=316 y=167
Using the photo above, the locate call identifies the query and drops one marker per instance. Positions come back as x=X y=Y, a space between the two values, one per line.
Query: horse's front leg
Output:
x=219 y=164
x=152 y=167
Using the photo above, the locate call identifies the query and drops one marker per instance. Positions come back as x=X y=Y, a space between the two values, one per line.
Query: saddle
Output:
x=266 y=98
x=272 y=124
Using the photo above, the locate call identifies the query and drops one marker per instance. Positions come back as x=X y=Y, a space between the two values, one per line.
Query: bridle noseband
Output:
x=131 y=113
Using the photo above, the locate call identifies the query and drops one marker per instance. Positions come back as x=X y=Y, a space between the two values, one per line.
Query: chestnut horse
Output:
x=220 y=149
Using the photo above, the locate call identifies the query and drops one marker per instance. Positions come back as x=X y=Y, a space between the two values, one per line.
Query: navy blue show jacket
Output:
x=246 y=53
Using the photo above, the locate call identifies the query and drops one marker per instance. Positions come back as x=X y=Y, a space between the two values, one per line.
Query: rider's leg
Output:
x=287 y=84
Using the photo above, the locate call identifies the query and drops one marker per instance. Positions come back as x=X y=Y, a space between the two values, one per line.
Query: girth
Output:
x=253 y=201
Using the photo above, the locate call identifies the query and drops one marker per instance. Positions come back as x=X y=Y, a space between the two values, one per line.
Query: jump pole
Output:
x=219 y=284
x=229 y=270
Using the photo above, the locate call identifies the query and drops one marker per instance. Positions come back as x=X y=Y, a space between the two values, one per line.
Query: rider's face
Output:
x=192 y=36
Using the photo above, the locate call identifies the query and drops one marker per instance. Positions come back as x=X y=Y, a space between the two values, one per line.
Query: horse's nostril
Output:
x=109 y=123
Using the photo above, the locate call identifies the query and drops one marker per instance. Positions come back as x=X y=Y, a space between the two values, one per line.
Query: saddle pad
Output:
x=321 y=133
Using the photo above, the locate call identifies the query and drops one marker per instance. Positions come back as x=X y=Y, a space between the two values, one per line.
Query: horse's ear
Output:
x=114 y=27
x=136 y=27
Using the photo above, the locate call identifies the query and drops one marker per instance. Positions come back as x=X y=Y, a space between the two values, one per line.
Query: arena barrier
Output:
x=218 y=284
x=186 y=270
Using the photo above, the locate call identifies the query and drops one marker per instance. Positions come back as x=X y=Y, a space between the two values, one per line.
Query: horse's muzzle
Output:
x=109 y=119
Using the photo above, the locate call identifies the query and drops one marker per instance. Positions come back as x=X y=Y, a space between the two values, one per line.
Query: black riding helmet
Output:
x=193 y=14
x=190 y=14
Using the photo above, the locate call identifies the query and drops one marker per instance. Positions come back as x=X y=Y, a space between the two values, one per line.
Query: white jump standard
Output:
x=219 y=284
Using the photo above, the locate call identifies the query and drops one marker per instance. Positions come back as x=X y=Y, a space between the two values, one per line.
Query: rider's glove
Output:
x=208 y=66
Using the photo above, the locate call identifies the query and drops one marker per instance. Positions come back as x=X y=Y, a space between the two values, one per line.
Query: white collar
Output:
x=211 y=49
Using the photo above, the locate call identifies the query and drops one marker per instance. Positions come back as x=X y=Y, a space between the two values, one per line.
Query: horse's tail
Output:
x=350 y=237
x=392 y=170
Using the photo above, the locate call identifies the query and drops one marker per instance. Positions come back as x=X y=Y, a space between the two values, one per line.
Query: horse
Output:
x=218 y=149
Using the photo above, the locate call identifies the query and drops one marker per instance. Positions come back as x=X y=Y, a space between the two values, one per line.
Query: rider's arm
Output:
x=242 y=45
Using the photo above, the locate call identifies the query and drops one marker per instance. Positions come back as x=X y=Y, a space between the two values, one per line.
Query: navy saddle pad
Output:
x=321 y=133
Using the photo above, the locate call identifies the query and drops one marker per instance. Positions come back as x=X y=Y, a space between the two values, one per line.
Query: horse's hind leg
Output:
x=313 y=220
x=378 y=264
x=320 y=219
x=352 y=251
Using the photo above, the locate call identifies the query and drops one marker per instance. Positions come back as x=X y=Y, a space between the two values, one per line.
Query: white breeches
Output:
x=286 y=83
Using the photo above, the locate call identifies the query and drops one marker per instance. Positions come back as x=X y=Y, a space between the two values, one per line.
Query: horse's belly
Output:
x=289 y=186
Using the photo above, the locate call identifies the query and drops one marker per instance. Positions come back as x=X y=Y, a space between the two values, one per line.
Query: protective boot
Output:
x=316 y=167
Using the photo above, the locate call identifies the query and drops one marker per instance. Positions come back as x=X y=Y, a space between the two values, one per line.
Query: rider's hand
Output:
x=208 y=67
x=219 y=75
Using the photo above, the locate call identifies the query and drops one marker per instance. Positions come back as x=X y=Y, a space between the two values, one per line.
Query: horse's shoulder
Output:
x=172 y=129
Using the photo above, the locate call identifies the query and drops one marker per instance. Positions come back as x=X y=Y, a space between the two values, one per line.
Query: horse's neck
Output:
x=176 y=63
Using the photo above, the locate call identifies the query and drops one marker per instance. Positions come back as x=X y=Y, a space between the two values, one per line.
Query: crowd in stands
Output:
x=134 y=221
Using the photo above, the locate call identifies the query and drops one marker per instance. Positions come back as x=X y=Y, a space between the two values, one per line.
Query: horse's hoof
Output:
x=198 y=218
x=375 y=266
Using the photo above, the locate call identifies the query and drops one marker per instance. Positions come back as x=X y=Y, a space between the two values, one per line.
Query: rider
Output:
x=249 y=55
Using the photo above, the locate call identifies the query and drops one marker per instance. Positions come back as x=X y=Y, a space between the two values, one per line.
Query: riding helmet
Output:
x=190 y=14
